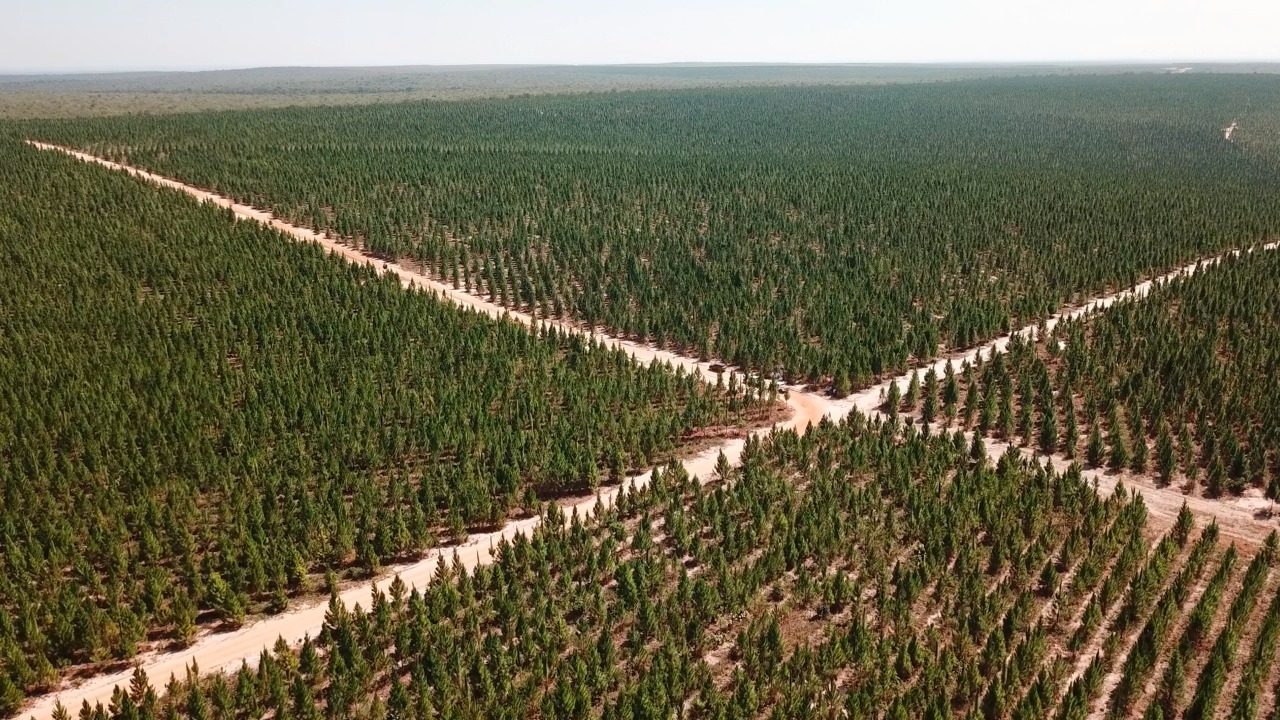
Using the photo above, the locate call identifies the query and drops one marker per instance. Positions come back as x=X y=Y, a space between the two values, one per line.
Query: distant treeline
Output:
x=830 y=234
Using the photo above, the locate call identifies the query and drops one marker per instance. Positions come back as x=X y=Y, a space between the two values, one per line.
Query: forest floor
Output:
x=225 y=651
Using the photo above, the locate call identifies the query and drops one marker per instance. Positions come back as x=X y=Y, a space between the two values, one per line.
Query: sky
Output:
x=111 y=35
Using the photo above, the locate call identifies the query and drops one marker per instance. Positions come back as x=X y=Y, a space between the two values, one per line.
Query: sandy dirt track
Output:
x=226 y=651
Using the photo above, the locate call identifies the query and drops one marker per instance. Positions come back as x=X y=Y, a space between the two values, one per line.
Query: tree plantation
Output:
x=857 y=571
x=206 y=427
x=830 y=233
x=1180 y=386
x=198 y=416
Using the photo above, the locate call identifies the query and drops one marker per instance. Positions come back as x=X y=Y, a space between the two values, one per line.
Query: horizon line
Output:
x=161 y=70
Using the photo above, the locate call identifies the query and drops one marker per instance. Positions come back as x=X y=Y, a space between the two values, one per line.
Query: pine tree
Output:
x=1166 y=461
x=11 y=696
x=182 y=613
x=1119 y=457
x=1184 y=524
x=978 y=450
x=1071 y=437
x=971 y=402
x=1138 y=461
x=1026 y=411
x=1006 y=415
x=892 y=401
x=1096 y=449
x=1238 y=468
x=1187 y=451
x=724 y=470
x=950 y=392
x=1049 y=430
x=223 y=598
x=929 y=410
x=1216 y=482
x=140 y=690
x=841 y=387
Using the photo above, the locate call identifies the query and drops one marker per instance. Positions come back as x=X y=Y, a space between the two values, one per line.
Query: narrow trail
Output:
x=226 y=651
x=869 y=405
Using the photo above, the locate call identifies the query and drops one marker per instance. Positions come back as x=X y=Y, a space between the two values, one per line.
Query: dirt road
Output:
x=226 y=651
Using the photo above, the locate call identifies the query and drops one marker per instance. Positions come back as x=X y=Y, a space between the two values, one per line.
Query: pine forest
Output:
x=701 y=393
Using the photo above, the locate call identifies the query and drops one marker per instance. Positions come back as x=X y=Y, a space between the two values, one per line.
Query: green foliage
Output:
x=218 y=415
x=29 y=96
x=804 y=567
x=1223 y=655
x=197 y=414
x=1182 y=382
x=824 y=232
x=1253 y=679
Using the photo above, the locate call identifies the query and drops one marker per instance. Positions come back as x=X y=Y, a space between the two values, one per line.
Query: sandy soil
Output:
x=1199 y=656
x=226 y=651
x=1172 y=636
x=1124 y=644
x=1245 y=649
x=1236 y=520
x=1270 y=694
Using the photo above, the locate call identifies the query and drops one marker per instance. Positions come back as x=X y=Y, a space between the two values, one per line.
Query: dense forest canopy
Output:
x=197 y=415
x=829 y=233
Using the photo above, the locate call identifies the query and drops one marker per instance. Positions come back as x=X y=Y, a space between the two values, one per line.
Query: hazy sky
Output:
x=41 y=35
